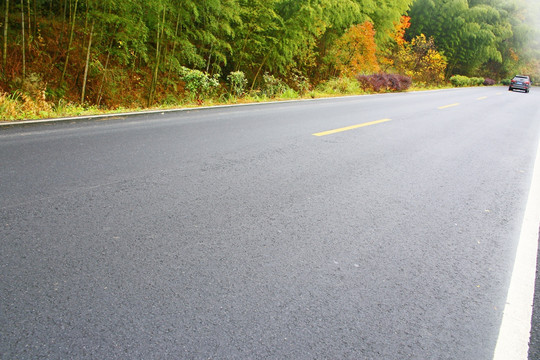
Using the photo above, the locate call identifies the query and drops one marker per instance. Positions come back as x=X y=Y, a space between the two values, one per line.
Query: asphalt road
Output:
x=237 y=233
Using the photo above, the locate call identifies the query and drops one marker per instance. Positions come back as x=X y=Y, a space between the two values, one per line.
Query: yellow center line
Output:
x=330 y=132
x=448 y=106
x=482 y=98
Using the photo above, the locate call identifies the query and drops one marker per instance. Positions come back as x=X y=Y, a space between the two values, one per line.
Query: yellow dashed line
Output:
x=330 y=132
x=448 y=106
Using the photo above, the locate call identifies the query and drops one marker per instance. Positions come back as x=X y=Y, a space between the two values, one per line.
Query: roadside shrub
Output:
x=476 y=81
x=369 y=82
x=505 y=82
x=199 y=84
x=300 y=83
x=273 y=86
x=29 y=102
x=374 y=82
x=402 y=82
x=460 y=80
x=384 y=82
x=339 y=86
x=170 y=99
x=34 y=92
x=289 y=94
x=9 y=106
x=256 y=95
x=56 y=93
x=237 y=82
x=489 y=82
x=20 y=105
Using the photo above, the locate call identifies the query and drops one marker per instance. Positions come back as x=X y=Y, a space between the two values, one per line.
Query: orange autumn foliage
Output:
x=418 y=59
x=355 y=52
x=399 y=30
x=388 y=57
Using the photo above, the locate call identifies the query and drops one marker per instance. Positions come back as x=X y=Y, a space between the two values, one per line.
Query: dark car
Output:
x=521 y=82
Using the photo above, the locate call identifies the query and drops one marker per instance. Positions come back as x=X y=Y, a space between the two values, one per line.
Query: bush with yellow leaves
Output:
x=420 y=60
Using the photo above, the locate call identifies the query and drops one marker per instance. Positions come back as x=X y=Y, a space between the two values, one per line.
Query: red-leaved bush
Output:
x=384 y=82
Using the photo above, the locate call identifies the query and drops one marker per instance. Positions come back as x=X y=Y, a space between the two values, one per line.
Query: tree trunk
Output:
x=87 y=62
x=153 y=85
x=4 y=54
x=243 y=49
x=174 y=45
x=64 y=12
x=176 y=33
x=35 y=19
x=23 y=44
x=175 y=39
x=86 y=16
x=259 y=70
x=29 y=19
x=209 y=57
x=104 y=78
x=70 y=41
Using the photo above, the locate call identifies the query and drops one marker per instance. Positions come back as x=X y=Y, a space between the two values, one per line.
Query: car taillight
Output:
x=526 y=83
x=513 y=81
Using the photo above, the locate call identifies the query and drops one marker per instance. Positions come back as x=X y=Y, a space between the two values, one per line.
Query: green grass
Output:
x=16 y=107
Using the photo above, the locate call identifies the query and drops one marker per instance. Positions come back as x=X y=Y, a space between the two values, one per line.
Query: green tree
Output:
x=216 y=23
x=182 y=50
x=470 y=34
x=385 y=14
x=258 y=31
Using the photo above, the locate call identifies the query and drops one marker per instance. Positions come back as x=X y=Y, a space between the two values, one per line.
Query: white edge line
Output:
x=514 y=334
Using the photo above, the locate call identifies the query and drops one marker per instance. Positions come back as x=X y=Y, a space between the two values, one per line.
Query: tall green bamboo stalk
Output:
x=23 y=43
x=4 y=53
x=87 y=62
x=70 y=41
x=153 y=85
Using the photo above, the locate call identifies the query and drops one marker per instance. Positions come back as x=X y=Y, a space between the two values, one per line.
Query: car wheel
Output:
x=509 y=89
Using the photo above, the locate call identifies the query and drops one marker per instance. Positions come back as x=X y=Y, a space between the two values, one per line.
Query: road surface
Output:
x=373 y=227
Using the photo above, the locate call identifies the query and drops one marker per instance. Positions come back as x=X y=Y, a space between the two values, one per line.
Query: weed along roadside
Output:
x=362 y=85
x=202 y=89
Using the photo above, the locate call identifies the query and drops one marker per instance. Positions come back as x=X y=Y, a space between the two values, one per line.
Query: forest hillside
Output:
x=110 y=54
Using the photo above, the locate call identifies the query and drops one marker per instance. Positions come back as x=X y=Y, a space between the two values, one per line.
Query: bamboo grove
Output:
x=142 y=52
